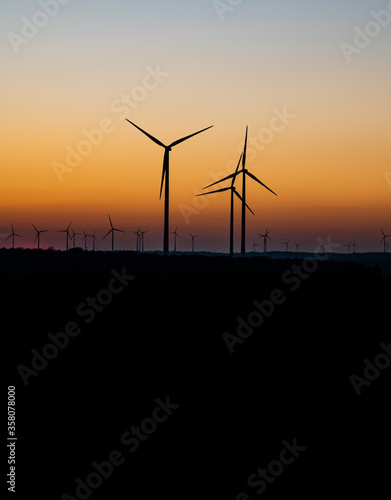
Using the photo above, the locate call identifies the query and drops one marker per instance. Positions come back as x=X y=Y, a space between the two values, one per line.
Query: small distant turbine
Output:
x=138 y=241
x=142 y=239
x=354 y=246
x=297 y=246
x=175 y=233
x=67 y=235
x=112 y=231
x=265 y=238
x=193 y=237
x=287 y=245
x=384 y=240
x=348 y=245
x=254 y=246
x=73 y=237
x=93 y=236
x=85 y=239
x=12 y=235
x=38 y=236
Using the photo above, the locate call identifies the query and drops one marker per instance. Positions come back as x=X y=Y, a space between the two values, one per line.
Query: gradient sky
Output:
x=328 y=164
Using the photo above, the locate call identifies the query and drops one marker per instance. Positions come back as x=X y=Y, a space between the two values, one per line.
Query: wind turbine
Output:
x=354 y=246
x=12 y=235
x=287 y=245
x=175 y=233
x=384 y=240
x=142 y=239
x=265 y=238
x=245 y=173
x=233 y=192
x=138 y=235
x=348 y=245
x=192 y=241
x=67 y=234
x=73 y=237
x=85 y=239
x=93 y=236
x=38 y=236
x=112 y=231
x=166 y=177
x=254 y=246
x=297 y=246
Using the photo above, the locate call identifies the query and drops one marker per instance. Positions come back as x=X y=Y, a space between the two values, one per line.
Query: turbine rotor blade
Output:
x=261 y=183
x=175 y=143
x=217 y=191
x=241 y=199
x=165 y=168
x=156 y=141
x=107 y=234
x=111 y=224
x=224 y=179
x=245 y=149
x=237 y=168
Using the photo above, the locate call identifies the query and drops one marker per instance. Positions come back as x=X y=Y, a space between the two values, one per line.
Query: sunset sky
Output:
x=319 y=126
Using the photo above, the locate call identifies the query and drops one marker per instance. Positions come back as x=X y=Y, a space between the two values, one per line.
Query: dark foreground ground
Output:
x=245 y=357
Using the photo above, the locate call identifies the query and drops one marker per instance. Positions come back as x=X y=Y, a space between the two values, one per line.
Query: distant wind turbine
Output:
x=297 y=246
x=254 y=246
x=348 y=245
x=67 y=235
x=176 y=235
x=265 y=238
x=138 y=241
x=73 y=237
x=85 y=239
x=384 y=240
x=354 y=246
x=233 y=192
x=192 y=241
x=38 y=236
x=112 y=231
x=93 y=236
x=287 y=245
x=12 y=235
x=245 y=173
x=142 y=239
x=166 y=177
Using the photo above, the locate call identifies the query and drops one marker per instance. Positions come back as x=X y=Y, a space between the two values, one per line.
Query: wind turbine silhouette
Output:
x=384 y=240
x=67 y=234
x=287 y=245
x=12 y=235
x=245 y=173
x=138 y=242
x=354 y=246
x=233 y=192
x=112 y=231
x=265 y=238
x=348 y=245
x=176 y=236
x=166 y=177
x=254 y=246
x=85 y=239
x=142 y=239
x=73 y=237
x=192 y=241
x=93 y=236
x=38 y=236
x=297 y=246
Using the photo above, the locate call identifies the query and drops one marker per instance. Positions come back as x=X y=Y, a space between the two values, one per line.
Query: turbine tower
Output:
x=265 y=238
x=233 y=192
x=192 y=241
x=73 y=237
x=245 y=173
x=38 y=236
x=12 y=235
x=93 y=236
x=166 y=177
x=287 y=245
x=297 y=246
x=85 y=241
x=112 y=231
x=254 y=246
x=67 y=235
x=138 y=236
x=384 y=240
x=142 y=239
